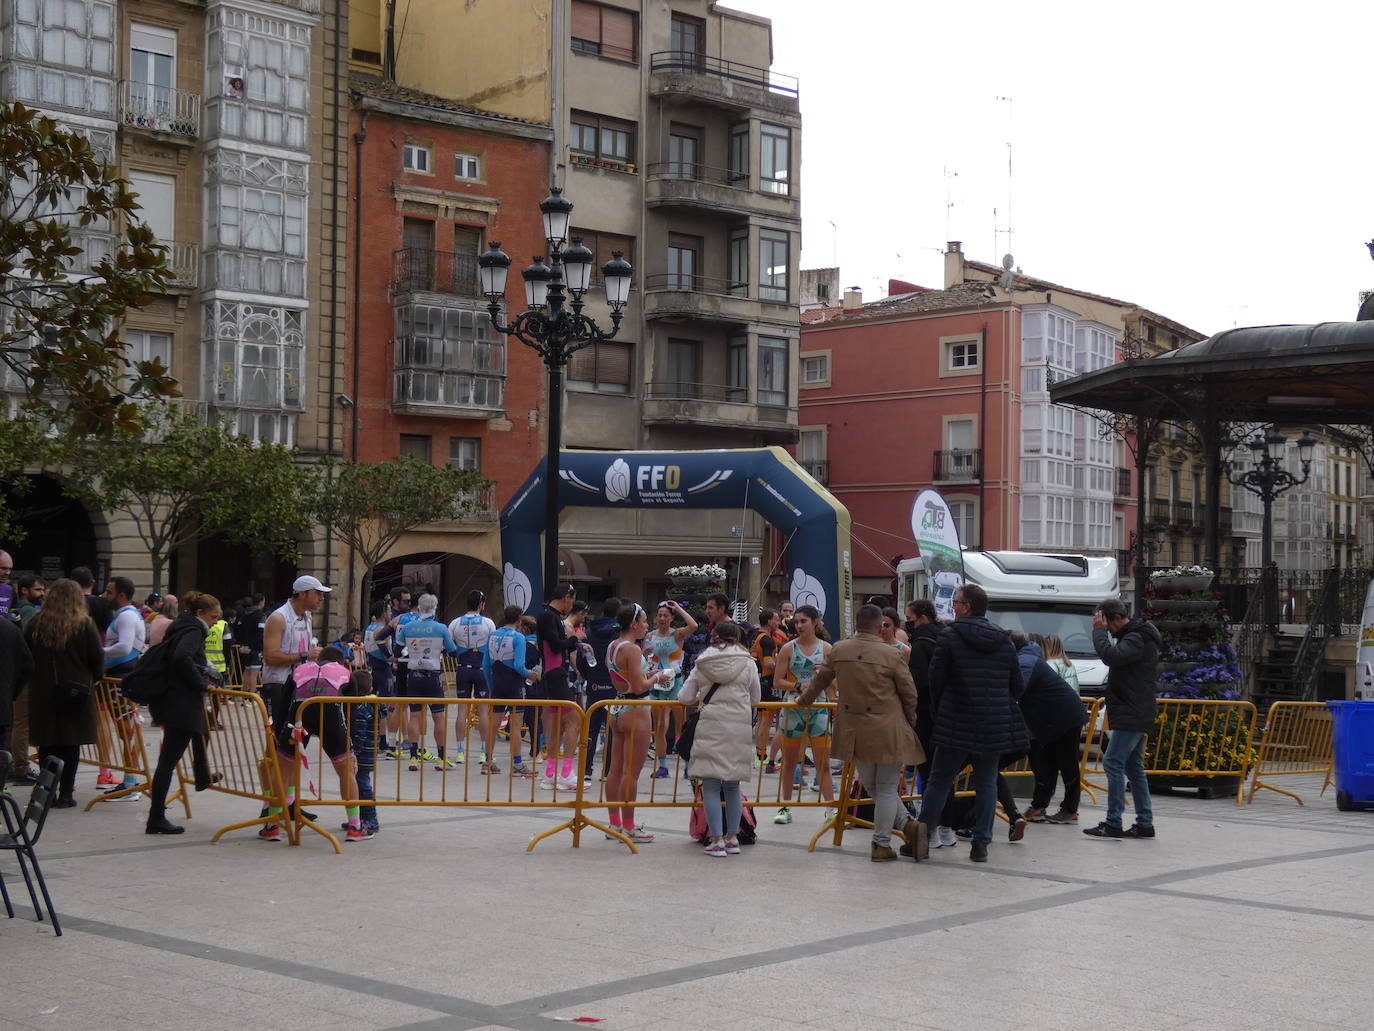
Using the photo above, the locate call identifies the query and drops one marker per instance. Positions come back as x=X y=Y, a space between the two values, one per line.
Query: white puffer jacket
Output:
x=724 y=744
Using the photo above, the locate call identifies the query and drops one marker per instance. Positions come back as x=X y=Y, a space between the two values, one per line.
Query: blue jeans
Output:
x=710 y=801
x=943 y=769
x=1124 y=760
x=368 y=812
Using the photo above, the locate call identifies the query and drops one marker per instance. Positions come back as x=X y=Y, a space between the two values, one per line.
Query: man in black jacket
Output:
x=16 y=666
x=975 y=675
x=1132 y=682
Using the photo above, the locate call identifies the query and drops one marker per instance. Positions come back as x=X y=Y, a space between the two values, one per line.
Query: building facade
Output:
x=225 y=118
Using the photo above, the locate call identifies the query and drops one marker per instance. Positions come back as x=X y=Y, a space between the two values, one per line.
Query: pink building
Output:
x=949 y=389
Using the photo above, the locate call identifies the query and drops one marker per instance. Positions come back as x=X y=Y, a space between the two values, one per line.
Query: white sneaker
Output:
x=545 y=784
x=570 y=784
x=784 y=815
x=641 y=835
x=948 y=839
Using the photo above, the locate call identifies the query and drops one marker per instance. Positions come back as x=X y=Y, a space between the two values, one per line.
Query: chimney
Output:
x=853 y=299
x=954 y=263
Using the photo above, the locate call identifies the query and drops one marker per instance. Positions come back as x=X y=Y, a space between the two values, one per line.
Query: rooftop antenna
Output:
x=1010 y=132
x=950 y=176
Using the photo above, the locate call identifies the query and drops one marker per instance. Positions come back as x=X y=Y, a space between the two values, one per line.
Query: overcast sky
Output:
x=1210 y=160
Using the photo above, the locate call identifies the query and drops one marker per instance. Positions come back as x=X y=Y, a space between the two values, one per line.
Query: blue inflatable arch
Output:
x=767 y=480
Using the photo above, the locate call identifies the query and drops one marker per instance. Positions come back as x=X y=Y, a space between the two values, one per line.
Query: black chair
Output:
x=22 y=830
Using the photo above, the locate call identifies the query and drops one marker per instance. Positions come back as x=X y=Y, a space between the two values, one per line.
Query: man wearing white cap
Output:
x=288 y=639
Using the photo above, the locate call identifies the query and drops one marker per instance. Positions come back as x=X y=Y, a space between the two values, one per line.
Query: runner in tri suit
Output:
x=288 y=639
x=470 y=633
x=426 y=640
x=633 y=678
x=377 y=646
x=797 y=660
x=664 y=644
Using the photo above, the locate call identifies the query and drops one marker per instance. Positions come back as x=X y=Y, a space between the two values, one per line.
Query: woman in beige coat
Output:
x=725 y=681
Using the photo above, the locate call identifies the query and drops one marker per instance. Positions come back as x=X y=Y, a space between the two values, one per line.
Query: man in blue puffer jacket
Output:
x=1054 y=715
x=976 y=676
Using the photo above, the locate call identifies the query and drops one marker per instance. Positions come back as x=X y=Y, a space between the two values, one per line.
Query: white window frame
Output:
x=417 y=158
x=815 y=359
x=467 y=167
x=151 y=202
x=141 y=345
x=952 y=347
x=465 y=453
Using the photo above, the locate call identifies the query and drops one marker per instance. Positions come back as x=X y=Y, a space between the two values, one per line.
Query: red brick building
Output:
x=427 y=375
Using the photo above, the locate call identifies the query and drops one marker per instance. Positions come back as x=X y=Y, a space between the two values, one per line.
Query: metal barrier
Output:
x=470 y=783
x=1192 y=739
x=242 y=752
x=1297 y=739
x=119 y=745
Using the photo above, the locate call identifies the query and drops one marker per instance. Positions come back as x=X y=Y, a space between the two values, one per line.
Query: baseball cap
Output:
x=308 y=583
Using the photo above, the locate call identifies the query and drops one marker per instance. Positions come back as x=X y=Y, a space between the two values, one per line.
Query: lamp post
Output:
x=555 y=328
x=1267 y=481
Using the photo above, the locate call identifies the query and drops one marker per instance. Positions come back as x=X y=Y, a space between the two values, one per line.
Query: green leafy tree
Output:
x=58 y=345
x=370 y=505
x=184 y=480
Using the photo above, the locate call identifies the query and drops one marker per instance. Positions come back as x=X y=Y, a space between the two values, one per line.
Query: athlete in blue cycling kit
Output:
x=507 y=673
x=426 y=640
x=470 y=633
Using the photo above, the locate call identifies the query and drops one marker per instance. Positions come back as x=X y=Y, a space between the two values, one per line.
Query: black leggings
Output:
x=174 y=742
x=71 y=758
x=1052 y=760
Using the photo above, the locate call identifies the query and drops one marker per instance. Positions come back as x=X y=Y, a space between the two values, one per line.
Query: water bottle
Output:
x=588 y=656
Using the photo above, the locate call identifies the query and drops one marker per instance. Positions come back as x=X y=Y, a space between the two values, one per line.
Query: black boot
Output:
x=159 y=824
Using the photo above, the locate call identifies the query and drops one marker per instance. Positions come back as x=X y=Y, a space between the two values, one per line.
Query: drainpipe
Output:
x=334 y=262
x=359 y=138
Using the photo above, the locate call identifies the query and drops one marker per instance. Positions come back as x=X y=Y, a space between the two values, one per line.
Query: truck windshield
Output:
x=1073 y=623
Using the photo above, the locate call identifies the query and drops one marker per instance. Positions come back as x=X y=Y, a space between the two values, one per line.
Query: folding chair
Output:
x=22 y=830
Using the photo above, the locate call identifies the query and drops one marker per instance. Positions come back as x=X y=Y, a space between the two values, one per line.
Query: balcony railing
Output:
x=958 y=464
x=183 y=261
x=159 y=109
x=1123 y=482
x=690 y=283
x=443 y=272
x=690 y=61
x=818 y=470
x=681 y=390
x=691 y=171
x=483 y=504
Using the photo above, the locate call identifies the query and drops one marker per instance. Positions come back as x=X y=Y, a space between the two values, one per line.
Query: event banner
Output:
x=937 y=539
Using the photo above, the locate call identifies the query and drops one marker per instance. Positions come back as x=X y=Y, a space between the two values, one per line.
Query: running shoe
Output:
x=444 y=764
x=829 y=815
x=132 y=796
x=415 y=764
x=809 y=763
x=1018 y=829
x=545 y=784
x=570 y=784
x=1063 y=816
x=490 y=766
x=640 y=835
x=815 y=783
x=106 y=779
x=522 y=770
x=392 y=753
x=948 y=839
x=784 y=815
x=771 y=768
x=716 y=850
x=1035 y=815
x=662 y=772
x=357 y=834
x=429 y=757
x=732 y=846
x=270 y=833
x=459 y=757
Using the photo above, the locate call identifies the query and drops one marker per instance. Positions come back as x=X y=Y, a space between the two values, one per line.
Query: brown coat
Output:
x=876 y=709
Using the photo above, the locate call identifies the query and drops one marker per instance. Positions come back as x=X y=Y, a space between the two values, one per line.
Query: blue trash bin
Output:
x=1352 y=740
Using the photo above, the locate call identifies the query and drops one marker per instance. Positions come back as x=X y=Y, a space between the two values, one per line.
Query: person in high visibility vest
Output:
x=214 y=647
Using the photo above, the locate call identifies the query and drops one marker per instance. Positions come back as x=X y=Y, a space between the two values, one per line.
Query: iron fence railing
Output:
x=419 y=269
x=958 y=464
x=691 y=61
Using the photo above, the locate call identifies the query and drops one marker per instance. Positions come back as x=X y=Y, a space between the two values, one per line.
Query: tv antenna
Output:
x=1011 y=124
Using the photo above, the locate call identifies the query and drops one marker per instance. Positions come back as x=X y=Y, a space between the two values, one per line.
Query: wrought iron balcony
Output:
x=416 y=269
x=732 y=71
x=160 y=109
x=958 y=464
x=183 y=261
x=1123 y=482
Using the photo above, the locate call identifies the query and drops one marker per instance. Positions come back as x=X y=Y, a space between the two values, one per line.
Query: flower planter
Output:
x=695 y=583
x=1181 y=583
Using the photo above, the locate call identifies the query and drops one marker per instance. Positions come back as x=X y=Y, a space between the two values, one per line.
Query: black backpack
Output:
x=147 y=681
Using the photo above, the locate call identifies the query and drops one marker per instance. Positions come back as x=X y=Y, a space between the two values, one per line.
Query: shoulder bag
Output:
x=688 y=733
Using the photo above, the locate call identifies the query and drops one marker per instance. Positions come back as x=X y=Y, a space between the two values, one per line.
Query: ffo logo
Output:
x=658 y=477
x=652 y=484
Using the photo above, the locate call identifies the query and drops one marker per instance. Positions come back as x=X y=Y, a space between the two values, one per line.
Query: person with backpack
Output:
x=1054 y=715
x=180 y=707
x=725 y=683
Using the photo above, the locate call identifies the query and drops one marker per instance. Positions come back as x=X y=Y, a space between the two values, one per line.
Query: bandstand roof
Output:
x=1320 y=374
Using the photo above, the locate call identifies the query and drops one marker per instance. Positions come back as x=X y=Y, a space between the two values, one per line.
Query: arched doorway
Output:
x=60 y=533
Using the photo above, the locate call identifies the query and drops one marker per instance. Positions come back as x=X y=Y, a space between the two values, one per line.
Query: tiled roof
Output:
x=965 y=295
x=1025 y=282
x=384 y=90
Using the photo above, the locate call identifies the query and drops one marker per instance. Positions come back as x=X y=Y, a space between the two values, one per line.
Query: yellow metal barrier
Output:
x=119 y=744
x=1192 y=739
x=470 y=783
x=1297 y=739
x=242 y=754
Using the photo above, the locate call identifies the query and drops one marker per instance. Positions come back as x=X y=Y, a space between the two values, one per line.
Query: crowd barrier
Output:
x=1192 y=739
x=119 y=746
x=1296 y=739
x=241 y=751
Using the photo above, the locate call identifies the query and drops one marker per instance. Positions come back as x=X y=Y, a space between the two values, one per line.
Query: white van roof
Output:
x=1032 y=576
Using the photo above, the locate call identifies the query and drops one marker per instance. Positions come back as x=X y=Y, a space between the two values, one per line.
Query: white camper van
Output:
x=1036 y=594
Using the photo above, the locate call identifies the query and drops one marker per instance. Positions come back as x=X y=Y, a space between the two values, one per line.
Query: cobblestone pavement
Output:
x=1255 y=918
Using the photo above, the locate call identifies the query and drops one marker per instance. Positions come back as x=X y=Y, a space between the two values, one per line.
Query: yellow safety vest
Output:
x=214 y=645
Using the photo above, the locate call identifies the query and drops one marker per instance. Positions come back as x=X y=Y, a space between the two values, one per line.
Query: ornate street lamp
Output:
x=1267 y=480
x=554 y=327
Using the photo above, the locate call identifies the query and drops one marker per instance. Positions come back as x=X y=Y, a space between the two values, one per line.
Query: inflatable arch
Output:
x=767 y=480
